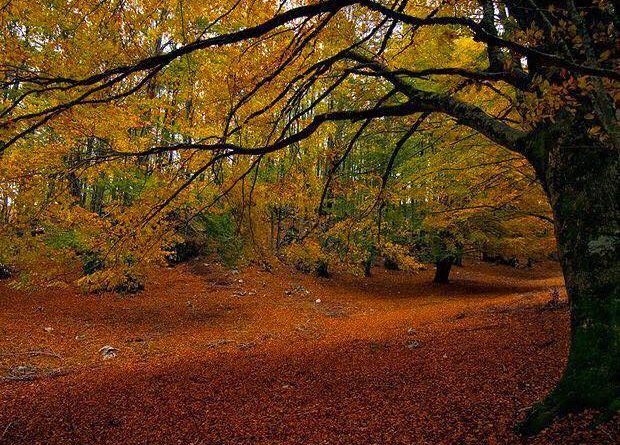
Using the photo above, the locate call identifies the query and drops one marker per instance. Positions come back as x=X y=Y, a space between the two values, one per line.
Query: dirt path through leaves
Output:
x=207 y=356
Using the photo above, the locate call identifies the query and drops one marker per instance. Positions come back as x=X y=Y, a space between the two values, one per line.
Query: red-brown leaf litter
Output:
x=209 y=356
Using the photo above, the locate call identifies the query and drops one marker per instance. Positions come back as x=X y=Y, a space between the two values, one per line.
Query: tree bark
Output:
x=581 y=178
x=442 y=270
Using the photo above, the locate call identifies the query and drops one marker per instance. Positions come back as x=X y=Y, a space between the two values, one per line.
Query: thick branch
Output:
x=481 y=34
x=465 y=114
x=404 y=109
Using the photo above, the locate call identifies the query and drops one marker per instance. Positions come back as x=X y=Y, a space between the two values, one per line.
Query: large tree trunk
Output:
x=442 y=269
x=581 y=178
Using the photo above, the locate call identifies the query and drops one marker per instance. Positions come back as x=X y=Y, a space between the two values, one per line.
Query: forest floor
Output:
x=206 y=356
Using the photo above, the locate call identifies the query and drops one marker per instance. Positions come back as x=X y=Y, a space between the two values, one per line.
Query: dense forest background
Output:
x=82 y=193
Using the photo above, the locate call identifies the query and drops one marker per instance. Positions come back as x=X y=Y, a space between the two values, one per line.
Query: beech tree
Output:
x=550 y=66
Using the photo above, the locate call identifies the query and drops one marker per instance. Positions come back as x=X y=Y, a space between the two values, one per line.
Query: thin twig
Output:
x=11 y=423
x=33 y=354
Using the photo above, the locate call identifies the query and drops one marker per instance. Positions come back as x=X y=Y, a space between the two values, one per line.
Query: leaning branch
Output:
x=481 y=34
x=464 y=113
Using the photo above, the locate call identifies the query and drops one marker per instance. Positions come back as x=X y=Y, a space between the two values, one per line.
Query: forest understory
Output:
x=207 y=355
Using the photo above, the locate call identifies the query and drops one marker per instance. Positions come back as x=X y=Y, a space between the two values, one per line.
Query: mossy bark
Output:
x=581 y=178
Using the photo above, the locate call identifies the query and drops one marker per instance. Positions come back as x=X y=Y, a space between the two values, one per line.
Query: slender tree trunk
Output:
x=271 y=230
x=458 y=257
x=278 y=227
x=442 y=269
x=582 y=180
x=367 y=267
